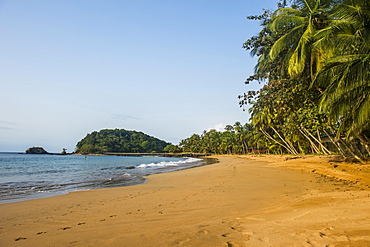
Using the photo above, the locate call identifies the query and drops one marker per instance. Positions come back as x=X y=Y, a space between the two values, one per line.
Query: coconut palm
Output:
x=299 y=26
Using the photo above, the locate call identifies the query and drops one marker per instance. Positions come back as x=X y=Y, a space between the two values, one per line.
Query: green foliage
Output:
x=345 y=78
x=236 y=139
x=119 y=141
x=315 y=57
x=172 y=149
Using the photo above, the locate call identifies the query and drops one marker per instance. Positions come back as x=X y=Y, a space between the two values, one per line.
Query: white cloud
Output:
x=218 y=127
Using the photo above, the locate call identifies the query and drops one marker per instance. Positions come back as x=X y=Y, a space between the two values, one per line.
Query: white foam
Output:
x=171 y=163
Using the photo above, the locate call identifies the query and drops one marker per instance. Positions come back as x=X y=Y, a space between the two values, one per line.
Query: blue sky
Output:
x=167 y=68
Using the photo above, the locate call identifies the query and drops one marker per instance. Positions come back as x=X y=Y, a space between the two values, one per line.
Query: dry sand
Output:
x=240 y=201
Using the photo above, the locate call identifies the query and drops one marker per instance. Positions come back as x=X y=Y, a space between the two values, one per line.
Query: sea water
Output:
x=31 y=176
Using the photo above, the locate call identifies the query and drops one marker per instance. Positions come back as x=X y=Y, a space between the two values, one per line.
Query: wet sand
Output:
x=240 y=201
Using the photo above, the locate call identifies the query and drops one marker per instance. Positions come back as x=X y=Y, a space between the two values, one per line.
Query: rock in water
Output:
x=36 y=150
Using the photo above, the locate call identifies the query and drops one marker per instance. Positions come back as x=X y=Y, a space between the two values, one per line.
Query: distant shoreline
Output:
x=179 y=155
x=193 y=155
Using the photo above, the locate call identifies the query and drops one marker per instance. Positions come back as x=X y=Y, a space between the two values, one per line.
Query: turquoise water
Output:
x=32 y=176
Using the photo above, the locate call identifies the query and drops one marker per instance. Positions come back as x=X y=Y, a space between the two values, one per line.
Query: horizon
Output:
x=168 y=69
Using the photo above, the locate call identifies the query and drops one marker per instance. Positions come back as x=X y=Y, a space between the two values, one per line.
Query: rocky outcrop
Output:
x=36 y=150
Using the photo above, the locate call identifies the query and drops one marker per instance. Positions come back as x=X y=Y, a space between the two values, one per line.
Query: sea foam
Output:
x=170 y=163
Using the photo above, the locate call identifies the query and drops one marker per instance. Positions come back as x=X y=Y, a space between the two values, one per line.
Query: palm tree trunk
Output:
x=351 y=152
x=364 y=142
x=325 y=150
x=281 y=144
x=335 y=144
x=300 y=148
x=313 y=146
x=290 y=146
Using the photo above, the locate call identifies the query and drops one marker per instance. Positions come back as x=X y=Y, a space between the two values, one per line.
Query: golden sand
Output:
x=240 y=201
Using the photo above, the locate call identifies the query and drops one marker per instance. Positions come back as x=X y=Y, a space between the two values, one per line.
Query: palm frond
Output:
x=286 y=41
x=297 y=61
x=286 y=21
x=286 y=11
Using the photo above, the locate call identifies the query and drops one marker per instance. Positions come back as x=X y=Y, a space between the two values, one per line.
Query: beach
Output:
x=260 y=200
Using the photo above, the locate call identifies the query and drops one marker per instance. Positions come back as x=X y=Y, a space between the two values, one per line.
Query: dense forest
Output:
x=119 y=141
x=314 y=65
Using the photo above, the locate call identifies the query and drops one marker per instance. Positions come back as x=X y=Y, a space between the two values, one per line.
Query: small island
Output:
x=119 y=141
x=41 y=150
x=36 y=150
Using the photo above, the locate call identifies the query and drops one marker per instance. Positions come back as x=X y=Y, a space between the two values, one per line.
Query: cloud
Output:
x=218 y=127
x=5 y=128
x=7 y=123
x=123 y=117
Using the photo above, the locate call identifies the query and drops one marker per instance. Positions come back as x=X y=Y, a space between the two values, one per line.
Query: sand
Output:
x=240 y=201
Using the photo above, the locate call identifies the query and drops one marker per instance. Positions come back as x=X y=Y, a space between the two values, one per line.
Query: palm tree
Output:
x=299 y=25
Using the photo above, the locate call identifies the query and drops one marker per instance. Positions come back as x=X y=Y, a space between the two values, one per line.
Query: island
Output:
x=41 y=150
x=119 y=141
x=36 y=150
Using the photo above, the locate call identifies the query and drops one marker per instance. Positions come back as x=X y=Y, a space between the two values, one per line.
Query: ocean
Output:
x=32 y=176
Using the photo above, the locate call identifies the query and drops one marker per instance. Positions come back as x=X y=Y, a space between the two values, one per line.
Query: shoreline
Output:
x=240 y=201
x=128 y=175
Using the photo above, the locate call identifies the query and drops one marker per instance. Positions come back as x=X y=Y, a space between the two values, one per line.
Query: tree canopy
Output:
x=119 y=141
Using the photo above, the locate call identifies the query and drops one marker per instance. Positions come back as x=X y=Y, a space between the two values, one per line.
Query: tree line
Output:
x=236 y=139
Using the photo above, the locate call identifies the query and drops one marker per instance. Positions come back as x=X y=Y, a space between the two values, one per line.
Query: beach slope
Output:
x=240 y=201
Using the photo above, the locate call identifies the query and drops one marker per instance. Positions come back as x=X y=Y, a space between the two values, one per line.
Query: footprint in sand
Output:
x=19 y=238
x=232 y=244
x=180 y=242
x=204 y=225
x=203 y=232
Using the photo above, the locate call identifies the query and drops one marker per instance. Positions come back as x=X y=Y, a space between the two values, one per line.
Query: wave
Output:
x=171 y=163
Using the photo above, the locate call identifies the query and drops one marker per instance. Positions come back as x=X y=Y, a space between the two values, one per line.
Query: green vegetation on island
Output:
x=119 y=141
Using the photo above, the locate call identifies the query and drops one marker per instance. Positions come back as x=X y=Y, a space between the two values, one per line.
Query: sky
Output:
x=168 y=68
